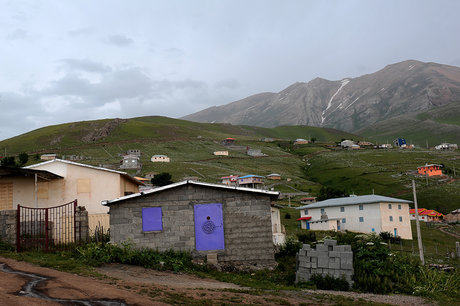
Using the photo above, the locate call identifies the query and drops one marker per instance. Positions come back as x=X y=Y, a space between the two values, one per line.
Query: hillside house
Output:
x=427 y=215
x=300 y=141
x=251 y=181
x=88 y=184
x=221 y=153
x=230 y=180
x=430 y=170
x=48 y=156
x=232 y=224
x=400 y=142
x=385 y=146
x=130 y=162
x=447 y=146
x=366 y=214
x=453 y=216
x=347 y=144
x=307 y=200
x=274 y=176
x=160 y=159
x=135 y=152
x=255 y=152
x=228 y=141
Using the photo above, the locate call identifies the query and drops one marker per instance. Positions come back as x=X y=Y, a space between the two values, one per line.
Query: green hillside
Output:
x=435 y=126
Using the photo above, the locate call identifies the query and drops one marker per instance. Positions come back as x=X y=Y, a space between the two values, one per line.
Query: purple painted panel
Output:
x=209 y=227
x=152 y=219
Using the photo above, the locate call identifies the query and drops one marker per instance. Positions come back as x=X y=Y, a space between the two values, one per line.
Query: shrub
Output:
x=306 y=237
x=330 y=283
x=287 y=216
x=289 y=248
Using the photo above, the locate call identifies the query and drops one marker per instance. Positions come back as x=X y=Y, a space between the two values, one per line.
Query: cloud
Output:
x=120 y=40
x=227 y=83
x=17 y=34
x=85 y=65
x=80 y=32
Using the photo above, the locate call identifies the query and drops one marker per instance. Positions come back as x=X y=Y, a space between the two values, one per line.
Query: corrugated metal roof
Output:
x=135 y=195
x=352 y=200
x=250 y=175
x=124 y=174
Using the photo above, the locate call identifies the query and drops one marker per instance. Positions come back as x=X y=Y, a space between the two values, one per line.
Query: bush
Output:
x=306 y=237
x=287 y=216
x=330 y=283
x=289 y=248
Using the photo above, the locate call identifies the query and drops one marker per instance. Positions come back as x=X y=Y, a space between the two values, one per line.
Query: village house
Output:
x=430 y=170
x=307 y=200
x=255 y=152
x=400 y=142
x=251 y=181
x=453 y=216
x=221 y=153
x=447 y=146
x=427 y=215
x=230 y=180
x=130 y=162
x=366 y=214
x=160 y=159
x=274 y=176
x=228 y=141
x=229 y=226
x=300 y=141
x=62 y=181
x=48 y=156
x=347 y=144
x=385 y=146
x=135 y=152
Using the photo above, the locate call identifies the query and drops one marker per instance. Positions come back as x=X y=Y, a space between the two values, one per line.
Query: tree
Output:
x=313 y=139
x=162 y=179
x=8 y=161
x=331 y=192
x=23 y=159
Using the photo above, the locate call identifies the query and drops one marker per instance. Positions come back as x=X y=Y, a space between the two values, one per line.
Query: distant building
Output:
x=453 y=216
x=426 y=215
x=221 y=153
x=400 y=142
x=135 y=152
x=267 y=139
x=160 y=159
x=447 y=146
x=228 y=141
x=274 y=176
x=430 y=170
x=365 y=144
x=347 y=144
x=251 y=181
x=307 y=200
x=48 y=156
x=299 y=141
x=130 y=162
x=385 y=146
x=230 y=180
x=255 y=153
x=366 y=214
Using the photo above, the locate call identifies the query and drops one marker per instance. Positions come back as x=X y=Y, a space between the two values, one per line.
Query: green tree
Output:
x=331 y=192
x=161 y=179
x=23 y=159
x=8 y=161
x=313 y=139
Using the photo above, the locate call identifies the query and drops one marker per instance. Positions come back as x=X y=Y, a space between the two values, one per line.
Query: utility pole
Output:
x=419 y=237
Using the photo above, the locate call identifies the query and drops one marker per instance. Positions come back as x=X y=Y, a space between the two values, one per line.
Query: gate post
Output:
x=46 y=230
x=75 y=221
x=18 y=229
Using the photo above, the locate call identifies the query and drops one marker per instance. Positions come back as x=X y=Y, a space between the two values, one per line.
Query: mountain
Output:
x=350 y=104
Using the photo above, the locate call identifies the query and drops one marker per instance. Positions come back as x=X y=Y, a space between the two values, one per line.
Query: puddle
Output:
x=30 y=291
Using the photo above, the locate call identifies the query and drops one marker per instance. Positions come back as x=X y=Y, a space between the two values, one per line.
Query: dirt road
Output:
x=130 y=285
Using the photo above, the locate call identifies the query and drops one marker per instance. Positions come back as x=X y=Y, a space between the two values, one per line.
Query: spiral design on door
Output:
x=208 y=227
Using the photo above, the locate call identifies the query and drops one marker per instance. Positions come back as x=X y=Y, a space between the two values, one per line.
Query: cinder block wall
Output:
x=8 y=219
x=246 y=216
x=328 y=259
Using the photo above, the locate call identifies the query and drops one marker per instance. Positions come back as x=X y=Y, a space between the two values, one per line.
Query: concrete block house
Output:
x=233 y=224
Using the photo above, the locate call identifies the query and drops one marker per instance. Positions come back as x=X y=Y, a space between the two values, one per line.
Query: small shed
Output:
x=274 y=176
x=160 y=159
x=232 y=223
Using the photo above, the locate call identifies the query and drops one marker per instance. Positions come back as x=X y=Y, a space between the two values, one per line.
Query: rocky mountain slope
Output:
x=350 y=104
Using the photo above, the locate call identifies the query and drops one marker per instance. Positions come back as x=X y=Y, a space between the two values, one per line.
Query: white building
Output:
x=221 y=153
x=160 y=158
x=366 y=214
x=447 y=146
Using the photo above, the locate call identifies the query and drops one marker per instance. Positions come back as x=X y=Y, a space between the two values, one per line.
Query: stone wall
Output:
x=8 y=219
x=81 y=224
x=328 y=259
x=246 y=217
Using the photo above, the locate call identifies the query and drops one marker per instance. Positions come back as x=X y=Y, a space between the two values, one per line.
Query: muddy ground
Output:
x=138 y=286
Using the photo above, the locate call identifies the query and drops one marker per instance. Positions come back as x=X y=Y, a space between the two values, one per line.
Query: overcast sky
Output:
x=64 y=61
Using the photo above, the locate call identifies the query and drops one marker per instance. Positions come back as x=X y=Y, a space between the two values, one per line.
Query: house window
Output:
x=322 y=210
x=344 y=220
x=373 y=230
x=361 y=219
x=306 y=211
x=152 y=219
x=400 y=218
x=342 y=209
x=389 y=206
x=391 y=218
x=399 y=206
x=361 y=207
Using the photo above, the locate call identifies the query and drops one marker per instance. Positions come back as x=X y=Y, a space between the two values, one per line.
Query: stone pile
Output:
x=327 y=259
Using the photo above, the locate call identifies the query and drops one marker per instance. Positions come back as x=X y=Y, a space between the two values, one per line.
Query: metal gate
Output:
x=46 y=229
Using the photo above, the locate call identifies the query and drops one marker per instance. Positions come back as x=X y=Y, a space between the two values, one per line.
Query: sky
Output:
x=66 y=61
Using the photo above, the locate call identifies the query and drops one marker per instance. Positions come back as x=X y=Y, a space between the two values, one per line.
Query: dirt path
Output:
x=443 y=229
x=139 y=286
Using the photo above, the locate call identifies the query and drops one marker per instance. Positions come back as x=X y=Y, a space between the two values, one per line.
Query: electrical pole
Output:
x=419 y=237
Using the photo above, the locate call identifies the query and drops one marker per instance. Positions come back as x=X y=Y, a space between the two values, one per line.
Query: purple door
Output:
x=209 y=227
